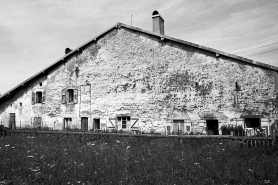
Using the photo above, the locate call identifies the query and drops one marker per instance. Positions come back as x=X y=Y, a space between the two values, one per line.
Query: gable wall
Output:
x=152 y=79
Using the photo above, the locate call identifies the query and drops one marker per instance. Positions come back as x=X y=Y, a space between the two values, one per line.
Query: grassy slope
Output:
x=53 y=160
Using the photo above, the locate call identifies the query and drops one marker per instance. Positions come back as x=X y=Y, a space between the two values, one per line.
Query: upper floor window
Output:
x=38 y=96
x=69 y=95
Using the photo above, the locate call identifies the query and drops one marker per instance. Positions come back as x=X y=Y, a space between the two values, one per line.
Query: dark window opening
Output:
x=237 y=87
x=39 y=97
x=20 y=104
x=97 y=123
x=188 y=128
x=252 y=122
x=40 y=84
x=212 y=127
x=124 y=122
x=70 y=95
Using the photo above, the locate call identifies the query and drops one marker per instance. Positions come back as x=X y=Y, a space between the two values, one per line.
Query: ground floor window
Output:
x=67 y=123
x=252 y=122
x=212 y=127
x=97 y=124
x=122 y=122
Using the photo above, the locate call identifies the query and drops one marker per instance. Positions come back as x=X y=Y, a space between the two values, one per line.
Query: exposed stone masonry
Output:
x=152 y=79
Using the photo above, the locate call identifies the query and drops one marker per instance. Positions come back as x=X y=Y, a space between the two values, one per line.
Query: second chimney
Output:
x=158 y=23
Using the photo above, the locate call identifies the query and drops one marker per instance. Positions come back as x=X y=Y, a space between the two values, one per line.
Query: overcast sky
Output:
x=34 y=34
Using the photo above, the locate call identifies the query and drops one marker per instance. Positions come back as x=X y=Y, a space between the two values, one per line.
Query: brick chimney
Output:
x=158 y=23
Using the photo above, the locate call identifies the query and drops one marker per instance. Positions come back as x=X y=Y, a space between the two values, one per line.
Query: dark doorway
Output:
x=212 y=127
x=178 y=126
x=12 y=121
x=97 y=124
x=252 y=122
x=67 y=123
x=84 y=123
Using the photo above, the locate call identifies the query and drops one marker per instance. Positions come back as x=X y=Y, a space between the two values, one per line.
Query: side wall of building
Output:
x=156 y=81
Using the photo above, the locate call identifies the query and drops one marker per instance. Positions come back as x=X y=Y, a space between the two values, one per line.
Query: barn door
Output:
x=12 y=121
x=84 y=123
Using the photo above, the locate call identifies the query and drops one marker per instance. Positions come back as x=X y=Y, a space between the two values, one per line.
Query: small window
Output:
x=188 y=128
x=38 y=97
x=40 y=84
x=70 y=94
x=123 y=122
x=237 y=87
x=20 y=104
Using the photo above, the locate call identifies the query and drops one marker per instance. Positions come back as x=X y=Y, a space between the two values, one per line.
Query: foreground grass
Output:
x=53 y=160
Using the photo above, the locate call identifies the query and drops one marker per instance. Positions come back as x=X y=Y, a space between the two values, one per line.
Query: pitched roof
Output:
x=163 y=37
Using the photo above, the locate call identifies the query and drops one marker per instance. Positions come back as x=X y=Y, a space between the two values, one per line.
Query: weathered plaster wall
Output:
x=153 y=79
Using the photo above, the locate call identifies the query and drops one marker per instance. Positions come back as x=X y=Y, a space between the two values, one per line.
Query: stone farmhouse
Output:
x=135 y=80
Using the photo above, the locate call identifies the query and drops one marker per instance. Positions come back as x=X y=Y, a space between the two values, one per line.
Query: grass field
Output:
x=54 y=160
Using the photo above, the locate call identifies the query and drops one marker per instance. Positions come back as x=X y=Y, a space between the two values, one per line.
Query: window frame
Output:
x=35 y=99
x=126 y=121
x=70 y=95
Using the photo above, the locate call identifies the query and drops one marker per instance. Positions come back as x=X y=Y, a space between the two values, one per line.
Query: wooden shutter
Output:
x=75 y=96
x=33 y=98
x=67 y=96
x=111 y=123
x=134 y=122
x=43 y=97
x=63 y=96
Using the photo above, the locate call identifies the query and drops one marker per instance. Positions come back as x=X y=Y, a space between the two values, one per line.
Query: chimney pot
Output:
x=67 y=50
x=158 y=23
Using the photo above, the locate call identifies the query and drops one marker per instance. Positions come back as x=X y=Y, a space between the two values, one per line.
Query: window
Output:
x=69 y=95
x=122 y=122
x=20 y=104
x=38 y=97
x=188 y=128
x=237 y=87
x=40 y=84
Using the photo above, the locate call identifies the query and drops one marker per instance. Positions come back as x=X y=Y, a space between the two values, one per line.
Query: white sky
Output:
x=34 y=34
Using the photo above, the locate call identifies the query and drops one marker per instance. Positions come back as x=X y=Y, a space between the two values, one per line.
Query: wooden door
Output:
x=178 y=126
x=12 y=121
x=84 y=123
